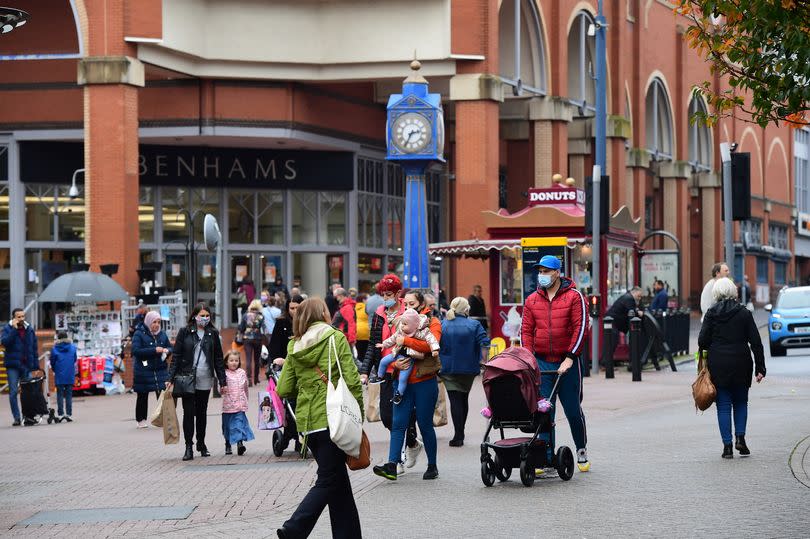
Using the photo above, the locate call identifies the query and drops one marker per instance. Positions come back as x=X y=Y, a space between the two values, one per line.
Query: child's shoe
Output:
x=582 y=460
x=240 y=448
x=397 y=398
x=228 y=450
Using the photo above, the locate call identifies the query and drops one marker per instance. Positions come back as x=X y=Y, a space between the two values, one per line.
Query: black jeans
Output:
x=387 y=411
x=332 y=488
x=459 y=408
x=142 y=405
x=195 y=408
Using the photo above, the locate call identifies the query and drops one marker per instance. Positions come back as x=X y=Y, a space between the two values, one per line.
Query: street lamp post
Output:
x=599 y=167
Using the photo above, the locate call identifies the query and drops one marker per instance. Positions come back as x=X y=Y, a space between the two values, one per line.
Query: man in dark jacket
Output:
x=660 y=297
x=478 y=309
x=620 y=312
x=553 y=329
x=20 y=343
x=331 y=301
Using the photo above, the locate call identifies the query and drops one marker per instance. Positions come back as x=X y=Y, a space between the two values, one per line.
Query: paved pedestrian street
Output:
x=656 y=472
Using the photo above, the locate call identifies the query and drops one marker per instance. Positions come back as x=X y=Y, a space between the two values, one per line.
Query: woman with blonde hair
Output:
x=252 y=330
x=730 y=334
x=464 y=346
x=304 y=378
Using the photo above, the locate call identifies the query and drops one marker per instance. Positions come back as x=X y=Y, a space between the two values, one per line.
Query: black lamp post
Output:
x=12 y=18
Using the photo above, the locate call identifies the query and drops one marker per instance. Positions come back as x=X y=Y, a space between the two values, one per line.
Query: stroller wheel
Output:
x=278 y=443
x=565 y=463
x=487 y=472
x=526 y=473
x=501 y=472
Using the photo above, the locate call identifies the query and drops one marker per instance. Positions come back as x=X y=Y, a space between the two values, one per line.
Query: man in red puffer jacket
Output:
x=553 y=329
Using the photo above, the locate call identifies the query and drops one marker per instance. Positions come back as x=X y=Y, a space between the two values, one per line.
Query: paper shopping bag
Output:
x=440 y=412
x=156 y=419
x=373 y=403
x=171 y=427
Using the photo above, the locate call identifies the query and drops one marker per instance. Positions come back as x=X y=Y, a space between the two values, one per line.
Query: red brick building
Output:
x=176 y=109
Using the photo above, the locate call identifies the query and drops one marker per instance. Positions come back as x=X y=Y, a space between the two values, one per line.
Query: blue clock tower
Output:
x=415 y=139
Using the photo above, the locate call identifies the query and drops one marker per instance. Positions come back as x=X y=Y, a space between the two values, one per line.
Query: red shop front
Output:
x=560 y=225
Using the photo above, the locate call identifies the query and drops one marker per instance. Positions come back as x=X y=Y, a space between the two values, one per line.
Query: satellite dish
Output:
x=211 y=232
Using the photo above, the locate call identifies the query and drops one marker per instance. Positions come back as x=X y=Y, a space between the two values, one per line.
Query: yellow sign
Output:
x=558 y=241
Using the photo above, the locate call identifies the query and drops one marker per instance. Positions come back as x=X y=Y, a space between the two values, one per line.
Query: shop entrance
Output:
x=317 y=271
x=259 y=269
x=42 y=267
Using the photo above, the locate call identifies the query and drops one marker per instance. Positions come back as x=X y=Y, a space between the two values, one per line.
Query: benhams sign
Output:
x=556 y=196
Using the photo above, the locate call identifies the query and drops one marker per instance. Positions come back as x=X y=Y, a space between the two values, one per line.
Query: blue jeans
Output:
x=15 y=376
x=64 y=399
x=570 y=393
x=423 y=397
x=402 y=383
x=735 y=397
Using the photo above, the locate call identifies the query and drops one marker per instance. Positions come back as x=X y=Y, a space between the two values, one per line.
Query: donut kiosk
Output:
x=553 y=223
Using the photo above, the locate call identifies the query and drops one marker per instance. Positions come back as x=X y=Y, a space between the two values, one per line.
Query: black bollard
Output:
x=608 y=354
x=635 y=348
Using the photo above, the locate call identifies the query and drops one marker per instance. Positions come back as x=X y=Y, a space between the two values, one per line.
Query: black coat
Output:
x=183 y=353
x=619 y=312
x=153 y=375
x=282 y=333
x=728 y=330
x=373 y=354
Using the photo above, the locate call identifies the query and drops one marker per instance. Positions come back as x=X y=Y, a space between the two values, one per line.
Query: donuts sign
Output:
x=556 y=196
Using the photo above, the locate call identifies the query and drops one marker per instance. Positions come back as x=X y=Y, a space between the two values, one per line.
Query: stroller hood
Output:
x=515 y=361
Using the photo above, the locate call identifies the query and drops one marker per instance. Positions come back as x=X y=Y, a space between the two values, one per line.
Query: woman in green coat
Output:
x=300 y=380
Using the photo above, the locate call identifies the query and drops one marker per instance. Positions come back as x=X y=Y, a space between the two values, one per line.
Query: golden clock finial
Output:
x=415 y=76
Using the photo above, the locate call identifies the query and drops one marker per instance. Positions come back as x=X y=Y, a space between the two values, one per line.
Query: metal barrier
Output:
x=674 y=326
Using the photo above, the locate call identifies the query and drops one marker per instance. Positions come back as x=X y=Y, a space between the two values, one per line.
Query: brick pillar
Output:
x=111 y=164
x=476 y=186
x=711 y=246
x=676 y=215
x=638 y=162
x=550 y=117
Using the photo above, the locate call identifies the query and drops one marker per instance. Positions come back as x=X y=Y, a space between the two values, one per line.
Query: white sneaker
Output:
x=412 y=454
x=400 y=469
x=582 y=460
x=143 y=424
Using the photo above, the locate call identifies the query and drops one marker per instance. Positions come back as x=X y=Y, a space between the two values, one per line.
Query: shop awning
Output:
x=474 y=248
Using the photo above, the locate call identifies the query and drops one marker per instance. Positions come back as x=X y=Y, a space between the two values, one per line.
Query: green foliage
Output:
x=762 y=47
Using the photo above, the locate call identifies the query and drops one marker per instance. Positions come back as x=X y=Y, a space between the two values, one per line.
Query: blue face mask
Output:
x=389 y=303
x=544 y=280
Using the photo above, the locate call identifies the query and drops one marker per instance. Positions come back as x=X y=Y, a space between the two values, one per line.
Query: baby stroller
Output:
x=511 y=384
x=282 y=436
x=33 y=402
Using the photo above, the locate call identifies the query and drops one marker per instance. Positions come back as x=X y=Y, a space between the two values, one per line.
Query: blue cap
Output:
x=550 y=262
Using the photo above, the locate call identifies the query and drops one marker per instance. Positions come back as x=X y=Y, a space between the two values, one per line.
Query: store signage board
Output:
x=803 y=228
x=556 y=196
x=201 y=166
x=659 y=266
x=533 y=249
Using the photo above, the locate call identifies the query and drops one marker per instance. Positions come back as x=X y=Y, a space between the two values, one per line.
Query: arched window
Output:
x=524 y=48
x=582 y=64
x=658 y=117
x=700 y=138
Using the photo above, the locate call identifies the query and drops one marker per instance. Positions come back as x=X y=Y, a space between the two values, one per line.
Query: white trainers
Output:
x=400 y=469
x=412 y=454
x=582 y=460
x=143 y=424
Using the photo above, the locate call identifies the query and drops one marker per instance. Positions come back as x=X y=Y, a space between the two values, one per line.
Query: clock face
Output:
x=411 y=132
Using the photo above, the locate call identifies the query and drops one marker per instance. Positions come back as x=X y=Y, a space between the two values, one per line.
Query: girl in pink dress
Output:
x=235 y=425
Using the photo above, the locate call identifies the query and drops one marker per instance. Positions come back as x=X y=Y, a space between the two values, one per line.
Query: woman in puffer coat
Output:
x=730 y=334
x=150 y=349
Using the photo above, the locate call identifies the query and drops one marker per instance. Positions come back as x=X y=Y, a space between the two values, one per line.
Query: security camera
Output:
x=733 y=146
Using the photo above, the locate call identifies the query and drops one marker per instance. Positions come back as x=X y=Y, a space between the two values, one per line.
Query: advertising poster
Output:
x=533 y=249
x=659 y=266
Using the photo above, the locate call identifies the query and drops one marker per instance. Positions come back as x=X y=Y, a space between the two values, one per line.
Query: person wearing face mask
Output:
x=150 y=350
x=270 y=311
x=197 y=351
x=553 y=329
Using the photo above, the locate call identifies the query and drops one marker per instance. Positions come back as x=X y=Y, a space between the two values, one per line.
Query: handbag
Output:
x=362 y=461
x=703 y=390
x=342 y=409
x=440 y=411
x=184 y=384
